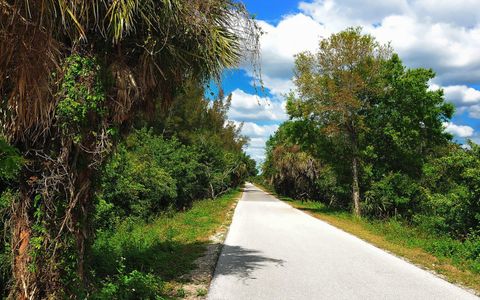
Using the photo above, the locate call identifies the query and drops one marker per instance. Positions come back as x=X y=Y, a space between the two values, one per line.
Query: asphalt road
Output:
x=274 y=251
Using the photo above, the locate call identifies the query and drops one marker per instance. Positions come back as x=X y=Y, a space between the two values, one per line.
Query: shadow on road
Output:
x=241 y=262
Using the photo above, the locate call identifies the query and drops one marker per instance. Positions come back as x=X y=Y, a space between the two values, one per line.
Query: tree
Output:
x=74 y=75
x=406 y=123
x=335 y=88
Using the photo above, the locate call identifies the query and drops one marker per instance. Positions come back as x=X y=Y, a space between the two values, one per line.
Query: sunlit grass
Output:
x=166 y=247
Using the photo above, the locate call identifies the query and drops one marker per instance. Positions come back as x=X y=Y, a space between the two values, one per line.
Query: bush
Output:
x=10 y=162
x=10 y=165
x=136 y=184
x=130 y=286
x=452 y=200
x=180 y=162
x=393 y=195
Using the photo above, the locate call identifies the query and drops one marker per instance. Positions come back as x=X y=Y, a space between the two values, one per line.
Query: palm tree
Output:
x=134 y=55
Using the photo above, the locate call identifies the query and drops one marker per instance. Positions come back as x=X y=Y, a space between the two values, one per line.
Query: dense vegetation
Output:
x=151 y=174
x=95 y=105
x=367 y=134
x=145 y=260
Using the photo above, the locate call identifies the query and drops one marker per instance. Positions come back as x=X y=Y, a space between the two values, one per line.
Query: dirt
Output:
x=198 y=280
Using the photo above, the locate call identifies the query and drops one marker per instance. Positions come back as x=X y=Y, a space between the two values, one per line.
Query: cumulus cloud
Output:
x=449 y=49
x=439 y=34
x=462 y=95
x=459 y=130
x=474 y=111
x=248 y=107
x=460 y=12
x=466 y=99
x=259 y=135
x=254 y=130
x=279 y=44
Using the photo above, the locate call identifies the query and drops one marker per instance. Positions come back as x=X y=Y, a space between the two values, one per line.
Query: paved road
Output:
x=274 y=251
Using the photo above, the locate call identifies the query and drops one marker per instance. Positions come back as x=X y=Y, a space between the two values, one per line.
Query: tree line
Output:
x=103 y=118
x=367 y=134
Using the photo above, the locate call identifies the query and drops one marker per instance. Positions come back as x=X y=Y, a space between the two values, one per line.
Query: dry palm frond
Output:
x=28 y=58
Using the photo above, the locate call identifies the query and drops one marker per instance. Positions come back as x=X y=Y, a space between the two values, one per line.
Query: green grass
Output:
x=166 y=247
x=457 y=261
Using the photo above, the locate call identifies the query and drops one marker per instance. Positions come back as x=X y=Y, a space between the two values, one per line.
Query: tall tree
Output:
x=72 y=75
x=335 y=87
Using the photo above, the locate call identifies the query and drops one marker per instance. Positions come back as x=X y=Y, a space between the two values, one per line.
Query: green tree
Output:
x=406 y=122
x=75 y=74
x=335 y=88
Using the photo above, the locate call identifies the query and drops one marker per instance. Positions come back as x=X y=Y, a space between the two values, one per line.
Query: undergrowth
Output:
x=140 y=260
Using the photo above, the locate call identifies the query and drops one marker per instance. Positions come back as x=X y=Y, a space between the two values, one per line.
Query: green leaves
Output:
x=10 y=161
x=82 y=92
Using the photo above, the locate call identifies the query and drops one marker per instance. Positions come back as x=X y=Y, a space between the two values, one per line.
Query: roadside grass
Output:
x=455 y=261
x=167 y=247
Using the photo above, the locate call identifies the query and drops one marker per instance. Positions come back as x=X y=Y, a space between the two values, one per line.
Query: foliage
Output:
x=134 y=285
x=395 y=195
x=128 y=255
x=10 y=162
x=334 y=87
x=74 y=78
x=452 y=200
x=406 y=126
x=7 y=197
x=10 y=165
x=356 y=111
x=148 y=174
x=81 y=89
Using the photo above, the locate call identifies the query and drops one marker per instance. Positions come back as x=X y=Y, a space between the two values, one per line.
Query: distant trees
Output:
x=154 y=170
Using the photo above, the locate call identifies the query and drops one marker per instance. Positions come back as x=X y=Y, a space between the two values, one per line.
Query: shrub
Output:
x=179 y=161
x=452 y=202
x=130 y=286
x=136 y=184
x=393 y=195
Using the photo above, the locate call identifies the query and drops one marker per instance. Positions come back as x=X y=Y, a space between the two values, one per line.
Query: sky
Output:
x=443 y=35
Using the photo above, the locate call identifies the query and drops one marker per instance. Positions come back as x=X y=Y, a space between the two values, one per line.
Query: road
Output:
x=273 y=251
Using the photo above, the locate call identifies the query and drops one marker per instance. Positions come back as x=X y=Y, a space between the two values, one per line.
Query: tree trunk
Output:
x=21 y=233
x=355 y=187
x=84 y=191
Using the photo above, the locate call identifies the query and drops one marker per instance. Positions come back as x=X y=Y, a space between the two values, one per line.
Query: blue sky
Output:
x=440 y=34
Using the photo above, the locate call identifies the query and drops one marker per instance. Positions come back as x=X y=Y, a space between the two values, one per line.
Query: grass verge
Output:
x=165 y=248
x=433 y=253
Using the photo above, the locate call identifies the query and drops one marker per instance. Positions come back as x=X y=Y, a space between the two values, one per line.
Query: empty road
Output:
x=274 y=251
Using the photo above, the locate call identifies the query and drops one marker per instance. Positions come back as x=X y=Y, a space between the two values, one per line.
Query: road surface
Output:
x=273 y=251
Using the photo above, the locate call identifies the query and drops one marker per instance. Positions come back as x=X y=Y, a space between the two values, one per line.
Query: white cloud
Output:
x=459 y=130
x=257 y=154
x=279 y=44
x=248 y=107
x=258 y=134
x=336 y=15
x=254 y=130
x=460 y=12
x=440 y=34
x=474 y=111
x=450 y=50
x=476 y=138
x=462 y=95
x=466 y=99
